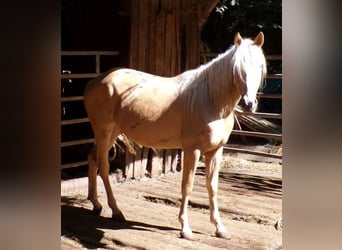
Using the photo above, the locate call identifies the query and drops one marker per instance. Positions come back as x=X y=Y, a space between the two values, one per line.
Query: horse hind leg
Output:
x=105 y=140
x=92 y=181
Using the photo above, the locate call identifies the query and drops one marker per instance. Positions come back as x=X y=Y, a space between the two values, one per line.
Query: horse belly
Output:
x=150 y=115
x=153 y=135
x=162 y=131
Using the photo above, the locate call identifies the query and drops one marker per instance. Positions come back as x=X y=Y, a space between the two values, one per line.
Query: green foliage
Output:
x=222 y=6
x=246 y=16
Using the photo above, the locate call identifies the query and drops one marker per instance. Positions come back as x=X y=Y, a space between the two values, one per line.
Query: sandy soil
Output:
x=250 y=201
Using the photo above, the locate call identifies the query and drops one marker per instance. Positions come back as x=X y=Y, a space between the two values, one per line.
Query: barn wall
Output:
x=190 y=34
x=155 y=45
x=165 y=34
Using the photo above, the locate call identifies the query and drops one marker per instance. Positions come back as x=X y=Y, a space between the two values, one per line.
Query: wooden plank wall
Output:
x=155 y=45
x=190 y=34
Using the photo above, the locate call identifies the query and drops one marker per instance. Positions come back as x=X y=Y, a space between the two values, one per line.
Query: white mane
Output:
x=213 y=82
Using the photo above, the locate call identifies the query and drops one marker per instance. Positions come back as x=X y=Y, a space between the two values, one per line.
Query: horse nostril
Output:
x=250 y=105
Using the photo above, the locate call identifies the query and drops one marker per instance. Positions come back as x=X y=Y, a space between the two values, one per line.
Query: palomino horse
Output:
x=193 y=111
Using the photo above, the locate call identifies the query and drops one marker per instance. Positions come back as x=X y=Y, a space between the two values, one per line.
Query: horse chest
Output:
x=207 y=136
x=219 y=131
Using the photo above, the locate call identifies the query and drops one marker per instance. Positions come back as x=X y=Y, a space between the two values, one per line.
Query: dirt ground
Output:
x=250 y=202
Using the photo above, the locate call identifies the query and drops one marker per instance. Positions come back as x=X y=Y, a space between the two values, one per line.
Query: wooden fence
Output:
x=68 y=75
x=147 y=161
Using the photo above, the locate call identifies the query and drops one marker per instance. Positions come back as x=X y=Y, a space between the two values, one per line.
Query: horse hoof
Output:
x=119 y=217
x=187 y=235
x=97 y=210
x=223 y=234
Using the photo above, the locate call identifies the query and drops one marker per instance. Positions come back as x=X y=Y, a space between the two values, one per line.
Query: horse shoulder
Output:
x=216 y=133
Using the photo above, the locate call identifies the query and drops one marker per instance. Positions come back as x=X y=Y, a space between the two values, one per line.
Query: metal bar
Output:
x=74 y=121
x=274 y=76
x=269 y=95
x=274 y=57
x=258 y=134
x=259 y=114
x=247 y=151
x=72 y=98
x=80 y=75
x=74 y=164
x=77 y=142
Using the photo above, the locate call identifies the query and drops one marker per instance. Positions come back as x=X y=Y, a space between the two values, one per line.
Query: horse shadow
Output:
x=85 y=227
x=263 y=185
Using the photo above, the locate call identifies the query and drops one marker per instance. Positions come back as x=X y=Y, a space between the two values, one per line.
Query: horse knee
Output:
x=104 y=175
x=92 y=156
x=104 y=170
x=92 y=166
x=187 y=190
x=187 y=187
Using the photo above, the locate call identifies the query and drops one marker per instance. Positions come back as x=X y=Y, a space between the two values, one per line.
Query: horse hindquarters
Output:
x=98 y=104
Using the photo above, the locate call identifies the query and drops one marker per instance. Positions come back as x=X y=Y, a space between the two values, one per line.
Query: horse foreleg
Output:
x=103 y=145
x=92 y=185
x=212 y=167
x=190 y=163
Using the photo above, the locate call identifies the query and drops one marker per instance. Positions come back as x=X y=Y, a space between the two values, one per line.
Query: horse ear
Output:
x=259 y=39
x=237 y=39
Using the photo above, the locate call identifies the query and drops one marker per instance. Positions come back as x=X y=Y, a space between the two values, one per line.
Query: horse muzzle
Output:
x=249 y=105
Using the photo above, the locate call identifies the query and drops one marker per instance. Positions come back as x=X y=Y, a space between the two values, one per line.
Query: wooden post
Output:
x=129 y=165
x=144 y=159
x=174 y=159
x=137 y=163
x=190 y=34
x=156 y=164
x=167 y=161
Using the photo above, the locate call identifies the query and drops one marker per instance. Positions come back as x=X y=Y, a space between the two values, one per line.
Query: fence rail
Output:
x=90 y=75
x=257 y=134
x=97 y=55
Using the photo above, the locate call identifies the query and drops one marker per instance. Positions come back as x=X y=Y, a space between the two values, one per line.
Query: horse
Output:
x=193 y=111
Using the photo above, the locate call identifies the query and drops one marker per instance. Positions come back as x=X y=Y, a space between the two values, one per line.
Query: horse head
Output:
x=249 y=69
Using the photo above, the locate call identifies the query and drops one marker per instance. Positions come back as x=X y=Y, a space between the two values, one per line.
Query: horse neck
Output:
x=213 y=86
